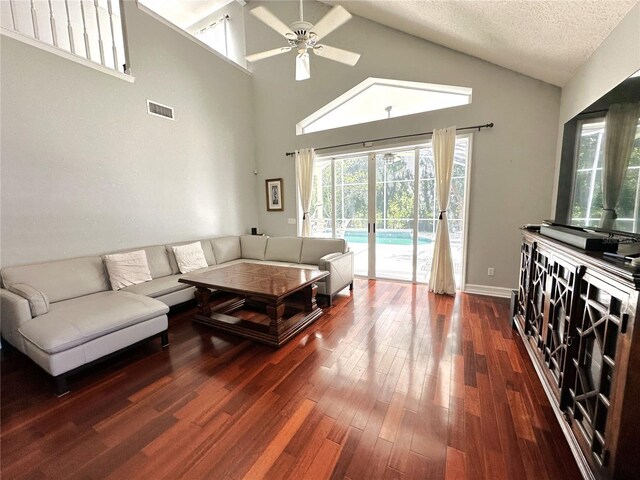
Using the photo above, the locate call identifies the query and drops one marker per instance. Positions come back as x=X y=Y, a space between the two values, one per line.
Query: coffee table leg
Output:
x=309 y=295
x=202 y=297
x=275 y=311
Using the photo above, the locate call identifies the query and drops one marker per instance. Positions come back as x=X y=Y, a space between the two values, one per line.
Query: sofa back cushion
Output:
x=283 y=249
x=63 y=279
x=157 y=259
x=226 y=248
x=206 y=248
x=253 y=246
x=313 y=249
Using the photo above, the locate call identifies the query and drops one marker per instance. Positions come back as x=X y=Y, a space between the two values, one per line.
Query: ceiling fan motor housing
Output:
x=305 y=37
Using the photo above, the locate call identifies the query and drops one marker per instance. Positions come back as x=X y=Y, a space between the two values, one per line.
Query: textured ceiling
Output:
x=545 y=39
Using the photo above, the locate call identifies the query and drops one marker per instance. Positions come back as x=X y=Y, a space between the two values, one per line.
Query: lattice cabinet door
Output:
x=523 y=286
x=596 y=355
x=562 y=281
x=537 y=298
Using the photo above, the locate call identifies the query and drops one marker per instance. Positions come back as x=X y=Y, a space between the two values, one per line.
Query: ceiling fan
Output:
x=303 y=36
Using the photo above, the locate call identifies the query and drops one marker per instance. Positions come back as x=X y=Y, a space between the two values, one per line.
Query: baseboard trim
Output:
x=490 y=291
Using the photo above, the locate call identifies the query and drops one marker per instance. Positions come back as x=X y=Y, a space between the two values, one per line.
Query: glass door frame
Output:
x=371 y=196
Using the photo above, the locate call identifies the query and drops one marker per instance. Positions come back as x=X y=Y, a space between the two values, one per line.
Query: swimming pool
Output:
x=386 y=237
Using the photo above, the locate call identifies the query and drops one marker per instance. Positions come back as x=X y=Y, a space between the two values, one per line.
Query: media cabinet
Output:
x=576 y=313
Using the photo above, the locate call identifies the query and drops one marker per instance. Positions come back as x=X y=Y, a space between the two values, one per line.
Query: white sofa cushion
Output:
x=226 y=248
x=73 y=322
x=206 y=248
x=283 y=249
x=63 y=279
x=38 y=301
x=158 y=286
x=253 y=246
x=82 y=354
x=127 y=269
x=313 y=249
x=189 y=257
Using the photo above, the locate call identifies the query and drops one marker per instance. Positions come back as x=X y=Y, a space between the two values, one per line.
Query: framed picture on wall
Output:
x=275 y=201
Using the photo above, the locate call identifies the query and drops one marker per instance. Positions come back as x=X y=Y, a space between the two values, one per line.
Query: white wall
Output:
x=86 y=170
x=512 y=169
x=617 y=58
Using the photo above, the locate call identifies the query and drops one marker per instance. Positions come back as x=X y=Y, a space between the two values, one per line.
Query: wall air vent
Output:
x=159 y=110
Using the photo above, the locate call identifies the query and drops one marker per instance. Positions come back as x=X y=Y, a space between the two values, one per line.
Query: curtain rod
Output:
x=473 y=127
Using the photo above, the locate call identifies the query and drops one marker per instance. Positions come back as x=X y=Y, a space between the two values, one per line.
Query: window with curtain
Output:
x=587 y=204
x=215 y=35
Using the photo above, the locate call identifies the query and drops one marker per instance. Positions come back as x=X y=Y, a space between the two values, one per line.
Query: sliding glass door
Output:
x=394 y=214
x=340 y=204
x=352 y=207
x=384 y=204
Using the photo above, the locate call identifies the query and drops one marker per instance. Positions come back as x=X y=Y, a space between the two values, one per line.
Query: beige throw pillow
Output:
x=127 y=269
x=189 y=257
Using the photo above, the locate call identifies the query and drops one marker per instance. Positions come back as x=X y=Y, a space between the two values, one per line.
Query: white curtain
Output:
x=441 y=279
x=304 y=179
x=620 y=133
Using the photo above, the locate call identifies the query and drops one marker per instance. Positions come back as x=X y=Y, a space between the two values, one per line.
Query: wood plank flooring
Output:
x=391 y=383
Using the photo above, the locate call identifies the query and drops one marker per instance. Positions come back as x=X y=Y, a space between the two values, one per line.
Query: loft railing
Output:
x=90 y=29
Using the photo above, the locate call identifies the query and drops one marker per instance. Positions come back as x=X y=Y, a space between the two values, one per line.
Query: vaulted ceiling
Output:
x=545 y=39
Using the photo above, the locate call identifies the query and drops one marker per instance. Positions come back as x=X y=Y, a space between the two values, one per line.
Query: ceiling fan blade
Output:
x=336 y=17
x=266 y=54
x=337 y=54
x=303 y=68
x=269 y=19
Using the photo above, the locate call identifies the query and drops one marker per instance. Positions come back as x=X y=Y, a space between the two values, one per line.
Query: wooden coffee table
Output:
x=286 y=294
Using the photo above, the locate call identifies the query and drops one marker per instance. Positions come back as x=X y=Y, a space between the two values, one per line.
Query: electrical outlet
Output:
x=491 y=271
x=291 y=221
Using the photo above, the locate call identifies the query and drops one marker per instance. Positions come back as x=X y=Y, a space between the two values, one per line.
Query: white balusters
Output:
x=34 y=21
x=13 y=14
x=85 y=34
x=72 y=46
x=113 y=37
x=78 y=16
x=101 y=46
x=52 y=20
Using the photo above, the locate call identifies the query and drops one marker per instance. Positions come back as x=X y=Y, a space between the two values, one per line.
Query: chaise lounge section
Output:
x=65 y=314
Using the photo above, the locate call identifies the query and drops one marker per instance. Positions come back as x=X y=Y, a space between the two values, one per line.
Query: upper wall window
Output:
x=215 y=35
x=89 y=29
x=219 y=24
x=378 y=98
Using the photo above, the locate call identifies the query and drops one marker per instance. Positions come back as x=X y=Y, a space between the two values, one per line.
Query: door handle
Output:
x=368 y=228
x=374 y=228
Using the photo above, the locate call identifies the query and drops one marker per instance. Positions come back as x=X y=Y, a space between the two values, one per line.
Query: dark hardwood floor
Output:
x=392 y=382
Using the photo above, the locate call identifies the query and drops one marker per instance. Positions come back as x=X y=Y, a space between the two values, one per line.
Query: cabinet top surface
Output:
x=623 y=270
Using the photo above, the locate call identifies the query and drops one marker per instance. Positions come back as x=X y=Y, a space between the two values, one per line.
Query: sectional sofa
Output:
x=65 y=314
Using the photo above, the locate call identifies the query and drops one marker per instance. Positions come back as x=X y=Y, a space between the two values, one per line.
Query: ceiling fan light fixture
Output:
x=302 y=36
x=303 y=68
